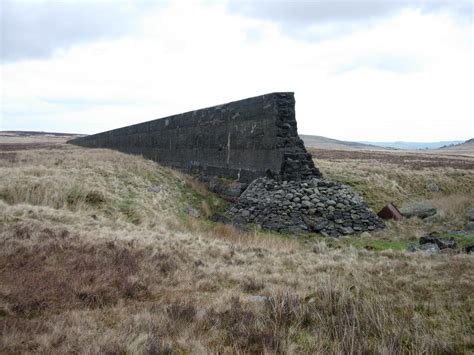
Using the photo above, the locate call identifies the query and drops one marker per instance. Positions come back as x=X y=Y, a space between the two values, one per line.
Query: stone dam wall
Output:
x=240 y=140
x=254 y=144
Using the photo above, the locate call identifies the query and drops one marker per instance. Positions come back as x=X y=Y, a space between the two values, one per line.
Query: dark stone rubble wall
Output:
x=241 y=140
x=314 y=205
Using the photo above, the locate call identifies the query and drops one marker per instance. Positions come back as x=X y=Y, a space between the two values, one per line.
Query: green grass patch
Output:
x=207 y=203
x=461 y=240
x=362 y=243
x=385 y=244
x=128 y=207
x=378 y=245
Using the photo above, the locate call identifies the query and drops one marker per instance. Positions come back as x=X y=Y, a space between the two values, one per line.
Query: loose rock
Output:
x=257 y=298
x=430 y=247
x=469 y=227
x=192 y=212
x=419 y=209
x=155 y=189
x=469 y=248
x=432 y=187
x=442 y=243
x=219 y=218
x=228 y=189
x=470 y=214
x=245 y=213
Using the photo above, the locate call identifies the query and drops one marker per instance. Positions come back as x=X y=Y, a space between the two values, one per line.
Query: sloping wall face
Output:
x=241 y=140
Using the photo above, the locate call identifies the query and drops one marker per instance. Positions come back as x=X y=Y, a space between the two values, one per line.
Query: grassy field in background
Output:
x=92 y=260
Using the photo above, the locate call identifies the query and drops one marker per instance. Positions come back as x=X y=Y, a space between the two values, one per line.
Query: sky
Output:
x=370 y=70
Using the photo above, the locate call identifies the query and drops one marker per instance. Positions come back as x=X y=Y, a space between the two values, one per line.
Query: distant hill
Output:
x=35 y=133
x=34 y=137
x=469 y=142
x=466 y=148
x=321 y=142
x=453 y=147
x=413 y=145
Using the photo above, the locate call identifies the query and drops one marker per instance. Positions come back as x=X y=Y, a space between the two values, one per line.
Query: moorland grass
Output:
x=92 y=261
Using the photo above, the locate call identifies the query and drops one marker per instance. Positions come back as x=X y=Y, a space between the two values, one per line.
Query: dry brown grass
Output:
x=382 y=182
x=109 y=294
x=126 y=271
x=26 y=138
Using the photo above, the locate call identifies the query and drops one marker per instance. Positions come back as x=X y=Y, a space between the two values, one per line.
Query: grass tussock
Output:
x=93 y=261
x=381 y=183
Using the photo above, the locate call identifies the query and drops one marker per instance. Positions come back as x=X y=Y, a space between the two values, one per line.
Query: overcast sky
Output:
x=360 y=69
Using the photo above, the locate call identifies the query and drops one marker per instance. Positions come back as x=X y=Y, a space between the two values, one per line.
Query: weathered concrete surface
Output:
x=241 y=140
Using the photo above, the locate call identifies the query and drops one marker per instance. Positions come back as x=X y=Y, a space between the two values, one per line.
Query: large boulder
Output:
x=418 y=209
x=469 y=248
x=430 y=248
x=442 y=243
x=432 y=187
x=228 y=189
x=469 y=226
x=470 y=214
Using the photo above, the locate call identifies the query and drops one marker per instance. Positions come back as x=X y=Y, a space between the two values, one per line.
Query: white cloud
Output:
x=36 y=29
x=407 y=77
x=322 y=19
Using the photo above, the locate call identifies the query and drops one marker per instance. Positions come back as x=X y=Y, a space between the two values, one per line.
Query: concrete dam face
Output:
x=240 y=140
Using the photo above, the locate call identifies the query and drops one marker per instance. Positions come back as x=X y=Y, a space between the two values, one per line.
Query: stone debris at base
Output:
x=298 y=207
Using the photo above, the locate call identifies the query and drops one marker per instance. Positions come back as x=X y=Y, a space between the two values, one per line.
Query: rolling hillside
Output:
x=413 y=145
x=466 y=148
x=451 y=147
x=321 y=142
x=100 y=254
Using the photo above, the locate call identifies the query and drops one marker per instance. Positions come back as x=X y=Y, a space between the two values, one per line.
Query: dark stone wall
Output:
x=241 y=140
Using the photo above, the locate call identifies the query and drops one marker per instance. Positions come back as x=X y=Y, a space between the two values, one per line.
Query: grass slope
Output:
x=93 y=261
